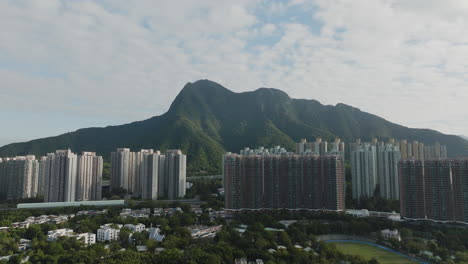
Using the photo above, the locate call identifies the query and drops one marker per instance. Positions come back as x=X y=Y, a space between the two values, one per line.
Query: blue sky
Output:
x=66 y=65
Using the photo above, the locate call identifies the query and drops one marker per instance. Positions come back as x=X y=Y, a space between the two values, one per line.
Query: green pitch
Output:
x=368 y=252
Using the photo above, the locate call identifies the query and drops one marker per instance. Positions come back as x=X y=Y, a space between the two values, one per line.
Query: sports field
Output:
x=368 y=252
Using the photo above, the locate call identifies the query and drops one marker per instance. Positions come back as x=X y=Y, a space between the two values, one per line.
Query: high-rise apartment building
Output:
x=321 y=148
x=436 y=152
x=148 y=174
x=388 y=156
x=152 y=168
x=19 y=177
x=364 y=170
x=435 y=190
x=89 y=177
x=122 y=169
x=274 y=178
x=412 y=197
x=175 y=174
x=60 y=176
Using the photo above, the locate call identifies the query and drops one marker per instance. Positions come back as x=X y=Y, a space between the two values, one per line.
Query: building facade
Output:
x=388 y=156
x=364 y=170
x=149 y=174
x=435 y=190
x=89 y=177
x=275 y=178
x=19 y=177
x=67 y=177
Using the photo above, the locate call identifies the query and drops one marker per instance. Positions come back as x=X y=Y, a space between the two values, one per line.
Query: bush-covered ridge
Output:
x=206 y=119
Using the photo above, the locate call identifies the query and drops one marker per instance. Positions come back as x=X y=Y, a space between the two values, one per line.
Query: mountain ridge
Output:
x=206 y=119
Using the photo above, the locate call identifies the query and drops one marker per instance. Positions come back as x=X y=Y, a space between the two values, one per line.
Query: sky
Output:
x=66 y=65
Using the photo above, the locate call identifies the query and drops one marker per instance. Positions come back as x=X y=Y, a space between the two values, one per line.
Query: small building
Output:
x=391 y=234
x=53 y=235
x=241 y=261
x=24 y=244
x=205 y=231
x=136 y=228
x=155 y=234
x=108 y=233
x=358 y=213
x=88 y=238
x=142 y=248
x=280 y=247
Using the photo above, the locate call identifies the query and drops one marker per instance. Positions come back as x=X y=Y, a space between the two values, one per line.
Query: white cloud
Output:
x=121 y=60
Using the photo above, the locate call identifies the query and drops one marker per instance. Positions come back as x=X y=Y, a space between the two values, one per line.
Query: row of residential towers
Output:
x=149 y=174
x=374 y=165
x=58 y=177
x=275 y=178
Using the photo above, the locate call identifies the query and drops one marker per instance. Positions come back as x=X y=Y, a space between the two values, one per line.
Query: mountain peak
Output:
x=271 y=92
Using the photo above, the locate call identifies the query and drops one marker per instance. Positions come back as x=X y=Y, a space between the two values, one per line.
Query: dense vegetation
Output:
x=206 y=119
x=450 y=243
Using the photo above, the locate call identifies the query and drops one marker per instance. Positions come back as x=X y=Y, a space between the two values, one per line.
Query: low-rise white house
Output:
x=391 y=234
x=53 y=235
x=155 y=234
x=108 y=233
x=87 y=238
x=205 y=231
x=136 y=228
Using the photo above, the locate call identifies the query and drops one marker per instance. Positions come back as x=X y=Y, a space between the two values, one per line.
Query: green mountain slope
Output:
x=206 y=119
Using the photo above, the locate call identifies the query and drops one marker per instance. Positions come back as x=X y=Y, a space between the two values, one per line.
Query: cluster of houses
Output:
x=394 y=216
x=91 y=212
x=88 y=238
x=212 y=213
x=110 y=232
x=205 y=231
x=43 y=219
x=140 y=213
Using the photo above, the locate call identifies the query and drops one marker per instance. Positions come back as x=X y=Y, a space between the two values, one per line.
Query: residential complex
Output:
x=108 y=232
x=435 y=190
x=374 y=165
x=89 y=177
x=19 y=177
x=364 y=170
x=320 y=147
x=276 y=178
x=149 y=174
x=58 y=177
x=68 y=177
x=87 y=238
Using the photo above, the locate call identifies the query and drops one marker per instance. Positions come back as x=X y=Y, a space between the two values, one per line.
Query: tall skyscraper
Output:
x=412 y=195
x=435 y=190
x=19 y=177
x=364 y=170
x=148 y=174
x=153 y=167
x=460 y=189
x=175 y=174
x=122 y=169
x=89 y=177
x=321 y=148
x=388 y=156
x=274 y=178
x=436 y=152
x=60 y=176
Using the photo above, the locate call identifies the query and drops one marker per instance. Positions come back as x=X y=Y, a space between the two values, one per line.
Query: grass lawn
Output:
x=368 y=252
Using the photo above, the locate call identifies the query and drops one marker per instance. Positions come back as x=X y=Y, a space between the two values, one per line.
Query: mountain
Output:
x=464 y=137
x=206 y=119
